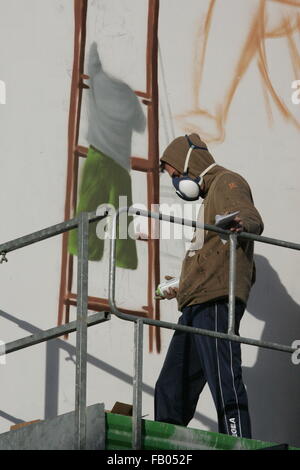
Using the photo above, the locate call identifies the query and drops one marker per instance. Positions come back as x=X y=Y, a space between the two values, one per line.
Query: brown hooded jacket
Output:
x=204 y=275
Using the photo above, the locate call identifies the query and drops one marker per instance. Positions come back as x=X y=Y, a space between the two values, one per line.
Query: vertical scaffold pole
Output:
x=232 y=281
x=81 y=333
x=137 y=385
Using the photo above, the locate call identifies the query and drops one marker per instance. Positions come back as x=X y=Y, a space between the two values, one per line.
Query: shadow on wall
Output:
x=53 y=349
x=273 y=383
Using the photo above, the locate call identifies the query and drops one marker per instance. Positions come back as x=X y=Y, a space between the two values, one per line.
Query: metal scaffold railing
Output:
x=83 y=320
x=139 y=322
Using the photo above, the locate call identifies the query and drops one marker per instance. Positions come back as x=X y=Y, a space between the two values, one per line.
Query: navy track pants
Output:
x=192 y=360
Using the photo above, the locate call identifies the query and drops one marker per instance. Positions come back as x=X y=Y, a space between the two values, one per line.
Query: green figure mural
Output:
x=113 y=113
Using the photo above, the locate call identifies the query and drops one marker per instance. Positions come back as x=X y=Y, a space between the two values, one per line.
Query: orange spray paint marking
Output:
x=198 y=119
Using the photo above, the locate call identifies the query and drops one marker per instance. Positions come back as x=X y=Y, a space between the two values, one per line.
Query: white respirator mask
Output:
x=189 y=188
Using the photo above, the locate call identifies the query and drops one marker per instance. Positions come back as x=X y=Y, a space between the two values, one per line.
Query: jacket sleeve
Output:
x=233 y=193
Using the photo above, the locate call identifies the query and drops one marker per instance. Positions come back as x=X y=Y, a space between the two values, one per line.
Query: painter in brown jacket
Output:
x=193 y=360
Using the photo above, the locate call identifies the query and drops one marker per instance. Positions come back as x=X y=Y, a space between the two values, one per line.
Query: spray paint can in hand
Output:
x=164 y=286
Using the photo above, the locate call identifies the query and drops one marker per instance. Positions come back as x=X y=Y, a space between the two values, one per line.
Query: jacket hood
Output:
x=176 y=152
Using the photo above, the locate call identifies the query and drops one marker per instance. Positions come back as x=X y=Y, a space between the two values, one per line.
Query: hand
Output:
x=236 y=225
x=170 y=294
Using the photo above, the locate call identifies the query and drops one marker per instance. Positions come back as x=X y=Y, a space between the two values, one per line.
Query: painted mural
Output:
x=112 y=87
x=114 y=112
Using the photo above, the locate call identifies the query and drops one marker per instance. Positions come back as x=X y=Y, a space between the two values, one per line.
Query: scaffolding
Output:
x=83 y=320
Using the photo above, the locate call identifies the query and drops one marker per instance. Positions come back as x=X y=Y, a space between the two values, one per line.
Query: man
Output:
x=202 y=296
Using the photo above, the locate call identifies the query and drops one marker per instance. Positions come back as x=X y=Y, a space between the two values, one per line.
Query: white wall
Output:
x=36 y=48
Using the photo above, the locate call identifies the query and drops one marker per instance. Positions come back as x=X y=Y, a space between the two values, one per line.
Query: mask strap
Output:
x=192 y=147
x=187 y=159
x=195 y=146
x=207 y=169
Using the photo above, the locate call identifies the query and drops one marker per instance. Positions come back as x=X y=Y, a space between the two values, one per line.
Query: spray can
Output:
x=164 y=286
